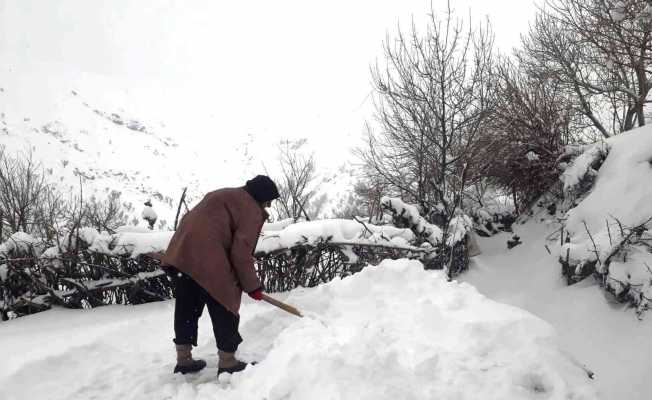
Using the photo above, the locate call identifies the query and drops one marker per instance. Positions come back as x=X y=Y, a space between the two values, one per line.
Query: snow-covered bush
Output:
x=607 y=232
x=84 y=268
x=449 y=242
x=579 y=176
x=488 y=222
x=88 y=268
x=313 y=252
x=20 y=244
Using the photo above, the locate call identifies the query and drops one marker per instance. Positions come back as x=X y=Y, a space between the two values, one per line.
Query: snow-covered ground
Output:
x=390 y=332
x=598 y=331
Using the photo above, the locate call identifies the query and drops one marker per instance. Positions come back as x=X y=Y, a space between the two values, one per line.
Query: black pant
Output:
x=188 y=307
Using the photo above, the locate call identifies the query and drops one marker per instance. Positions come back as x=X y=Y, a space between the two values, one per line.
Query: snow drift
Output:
x=393 y=331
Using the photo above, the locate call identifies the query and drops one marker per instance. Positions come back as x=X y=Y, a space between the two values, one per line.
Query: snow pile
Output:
x=393 y=331
x=422 y=338
x=619 y=200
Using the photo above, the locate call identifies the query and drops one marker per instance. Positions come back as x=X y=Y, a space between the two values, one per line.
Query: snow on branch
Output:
x=409 y=214
x=581 y=173
x=345 y=232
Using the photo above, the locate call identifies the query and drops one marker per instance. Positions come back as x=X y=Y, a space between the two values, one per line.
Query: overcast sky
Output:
x=220 y=73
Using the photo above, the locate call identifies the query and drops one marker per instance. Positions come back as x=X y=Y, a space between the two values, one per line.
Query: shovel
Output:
x=285 y=307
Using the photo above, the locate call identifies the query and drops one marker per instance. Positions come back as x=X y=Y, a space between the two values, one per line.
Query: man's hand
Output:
x=256 y=294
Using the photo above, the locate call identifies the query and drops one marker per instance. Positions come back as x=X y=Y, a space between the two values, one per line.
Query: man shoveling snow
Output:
x=211 y=257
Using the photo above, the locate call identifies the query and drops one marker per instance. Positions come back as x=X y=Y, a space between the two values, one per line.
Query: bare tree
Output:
x=22 y=185
x=599 y=51
x=105 y=214
x=533 y=120
x=51 y=213
x=434 y=95
x=364 y=200
x=296 y=186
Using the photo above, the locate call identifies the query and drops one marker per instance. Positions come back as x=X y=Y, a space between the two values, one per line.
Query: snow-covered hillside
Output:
x=145 y=99
x=363 y=337
x=75 y=138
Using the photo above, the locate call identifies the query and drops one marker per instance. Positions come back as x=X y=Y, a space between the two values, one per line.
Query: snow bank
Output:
x=393 y=332
x=622 y=192
x=622 y=189
x=340 y=231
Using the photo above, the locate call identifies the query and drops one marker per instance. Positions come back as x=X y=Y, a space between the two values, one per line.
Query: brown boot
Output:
x=185 y=363
x=229 y=364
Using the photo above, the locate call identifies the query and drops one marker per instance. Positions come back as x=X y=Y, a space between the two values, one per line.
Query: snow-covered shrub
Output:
x=606 y=233
x=488 y=222
x=84 y=268
x=449 y=241
x=579 y=176
x=313 y=252
x=20 y=244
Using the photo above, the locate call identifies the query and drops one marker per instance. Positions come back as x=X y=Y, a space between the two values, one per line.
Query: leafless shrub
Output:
x=296 y=184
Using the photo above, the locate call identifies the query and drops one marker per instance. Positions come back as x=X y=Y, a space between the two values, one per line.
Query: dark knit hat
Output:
x=262 y=189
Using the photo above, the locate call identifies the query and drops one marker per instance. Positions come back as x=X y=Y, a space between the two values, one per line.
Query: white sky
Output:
x=221 y=73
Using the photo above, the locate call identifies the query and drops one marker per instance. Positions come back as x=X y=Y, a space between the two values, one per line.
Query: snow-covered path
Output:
x=597 y=331
x=389 y=332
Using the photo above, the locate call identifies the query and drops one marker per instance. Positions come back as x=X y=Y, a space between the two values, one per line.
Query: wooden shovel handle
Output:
x=281 y=305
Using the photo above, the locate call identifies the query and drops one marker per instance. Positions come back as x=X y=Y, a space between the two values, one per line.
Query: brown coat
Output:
x=214 y=244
